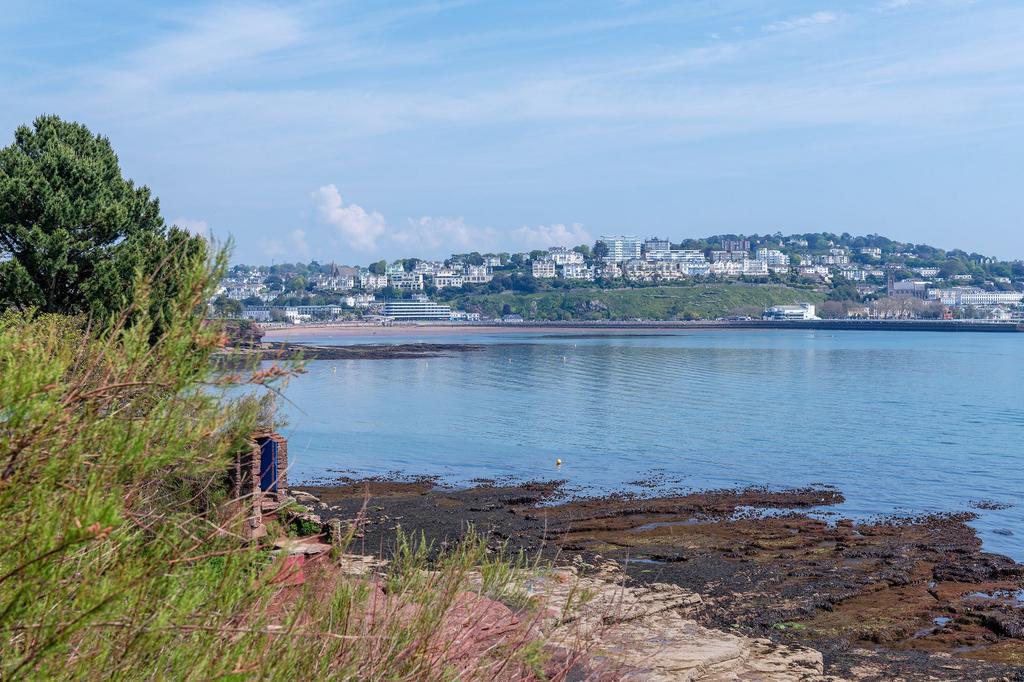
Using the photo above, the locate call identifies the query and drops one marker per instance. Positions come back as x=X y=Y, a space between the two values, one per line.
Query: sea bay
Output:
x=900 y=422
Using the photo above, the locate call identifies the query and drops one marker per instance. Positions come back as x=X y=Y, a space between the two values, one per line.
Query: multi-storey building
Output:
x=543 y=269
x=477 y=274
x=736 y=245
x=577 y=271
x=622 y=248
x=371 y=281
x=963 y=296
x=656 y=248
x=416 y=308
x=561 y=255
x=721 y=256
x=772 y=256
x=406 y=281
x=448 y=280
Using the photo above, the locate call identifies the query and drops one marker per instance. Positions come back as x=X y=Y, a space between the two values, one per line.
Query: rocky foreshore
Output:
x=767 y=583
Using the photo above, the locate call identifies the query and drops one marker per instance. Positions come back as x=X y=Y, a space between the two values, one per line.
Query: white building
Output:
x=622 y=248
x=962 y=296
x=871 y=252
x=839 y=258
x=543 y=269
x=449 y=280
x=722 y=256
x=477 y=274
x=406 y=281
x=561 y=255
x=611 y=271
x=732 y=268
x=800 y=311
x=853 y=273
x=370 y=281
x=772 y=257
x=578 y=271
x=812 y=271
x=657 y=249
x=416 y=308
x=358 y=300
x=259 y=313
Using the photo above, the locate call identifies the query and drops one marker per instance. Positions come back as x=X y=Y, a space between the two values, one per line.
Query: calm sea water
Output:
x=901 y=422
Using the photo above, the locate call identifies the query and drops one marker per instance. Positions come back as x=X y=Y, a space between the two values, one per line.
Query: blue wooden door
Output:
x=268 y=465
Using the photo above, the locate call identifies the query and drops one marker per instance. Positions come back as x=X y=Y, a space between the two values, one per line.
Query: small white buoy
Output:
x=334 y=370
x=558 y=462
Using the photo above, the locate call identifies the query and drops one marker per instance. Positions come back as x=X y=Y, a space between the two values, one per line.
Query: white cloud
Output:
x=359 y=229
x=197 y=227
x=429 y=234
x=796 y=23
x=557 y=234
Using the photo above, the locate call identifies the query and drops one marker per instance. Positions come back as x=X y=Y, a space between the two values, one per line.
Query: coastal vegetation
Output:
x=75 y=234
x=122 y=554
x=705 y=301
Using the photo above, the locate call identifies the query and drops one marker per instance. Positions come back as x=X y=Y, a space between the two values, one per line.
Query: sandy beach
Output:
x=336 y=330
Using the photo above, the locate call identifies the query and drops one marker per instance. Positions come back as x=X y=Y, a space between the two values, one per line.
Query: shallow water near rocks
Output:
x=900 y=422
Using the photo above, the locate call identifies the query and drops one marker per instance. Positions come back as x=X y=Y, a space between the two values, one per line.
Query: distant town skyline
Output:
x=423 y=128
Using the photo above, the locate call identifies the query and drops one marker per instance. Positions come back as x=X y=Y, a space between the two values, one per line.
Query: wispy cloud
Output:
x=803 y=22
x=558 y=234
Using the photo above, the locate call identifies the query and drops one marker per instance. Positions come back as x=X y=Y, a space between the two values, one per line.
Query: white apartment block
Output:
x=543 y=269
x=477 y=274
x=622 y=248
x=772 y=256
x=871 y=252
x=814 y=271
x=334 y=283
x=418 y=308
x=722 y=256
x=449 y=280
x=561 y=255
x=577 y=271
x=840 y=258
x=961 y=296
x=358 y=300
x=370 y=281
x=854 y=274
x=732 y=268
x=657 y=249
x=650 y=271
x=406 y=281
x=611 y=270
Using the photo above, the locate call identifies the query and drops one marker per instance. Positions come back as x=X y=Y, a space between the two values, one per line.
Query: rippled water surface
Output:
x=903 y=422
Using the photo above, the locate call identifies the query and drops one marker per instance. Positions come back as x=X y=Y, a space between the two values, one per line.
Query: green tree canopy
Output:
x=76 y=235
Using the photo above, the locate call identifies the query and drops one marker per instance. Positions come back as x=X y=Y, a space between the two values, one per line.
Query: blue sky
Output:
x=352 y=131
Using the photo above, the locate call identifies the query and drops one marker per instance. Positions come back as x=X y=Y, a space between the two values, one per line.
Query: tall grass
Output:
x=120 y=556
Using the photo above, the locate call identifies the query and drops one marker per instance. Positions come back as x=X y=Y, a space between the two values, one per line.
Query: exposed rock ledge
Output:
x=648 y=633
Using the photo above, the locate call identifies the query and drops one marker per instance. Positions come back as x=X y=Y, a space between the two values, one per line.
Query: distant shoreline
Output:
x=440 y=328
